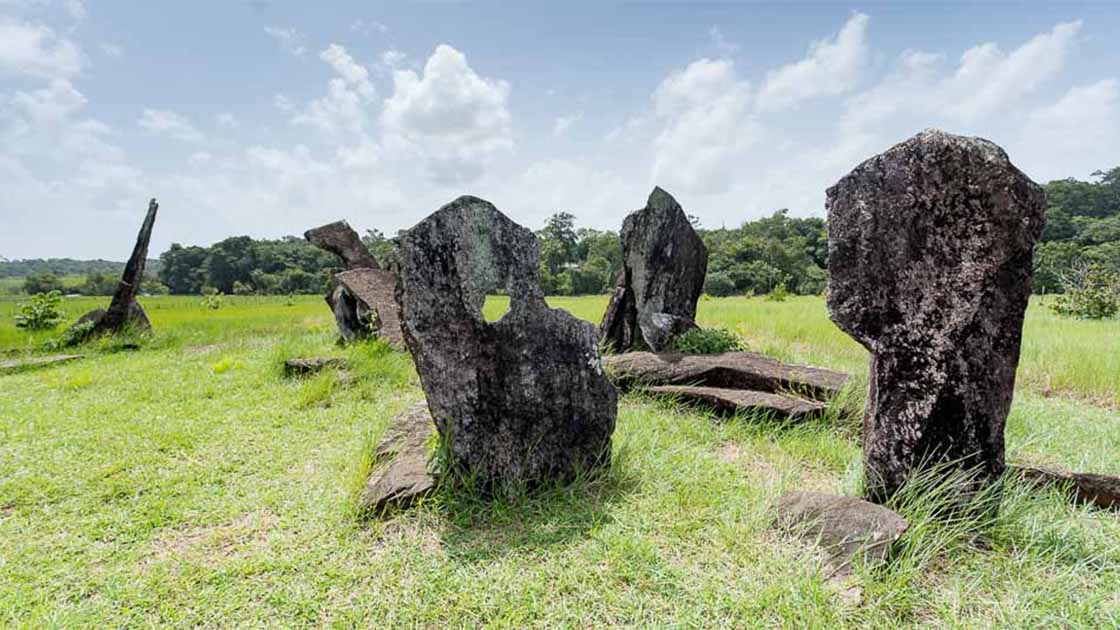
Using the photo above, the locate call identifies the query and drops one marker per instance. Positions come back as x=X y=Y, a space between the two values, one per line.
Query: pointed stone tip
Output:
x=661 y=199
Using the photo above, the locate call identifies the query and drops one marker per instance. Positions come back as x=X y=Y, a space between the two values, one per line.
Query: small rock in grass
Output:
x=313 y=365
x=406 y=476
x=1102 y=491
x=846 y=528
x=17 y=365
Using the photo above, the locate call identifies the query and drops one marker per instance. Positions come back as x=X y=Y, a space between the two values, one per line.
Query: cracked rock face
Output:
x=664 y=264
x=522 y=399
x=930 y=252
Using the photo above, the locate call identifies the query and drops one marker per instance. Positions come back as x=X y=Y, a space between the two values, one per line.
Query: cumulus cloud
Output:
x=832 y=66
x=1082 y=127
x=172 y=124
x=289 y=39
x=456 y=119
x=564 y=123
x=35 y=50
x=706 y=126
x=345 y=108
x=355 y=75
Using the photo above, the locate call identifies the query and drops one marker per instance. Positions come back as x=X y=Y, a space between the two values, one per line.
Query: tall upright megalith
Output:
x=362 y=297
x=664 y=264
x=522 y=399
x=124 y=310
x=930 y=251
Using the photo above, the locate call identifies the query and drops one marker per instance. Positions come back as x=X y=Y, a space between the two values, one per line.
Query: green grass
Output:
x=190 y=483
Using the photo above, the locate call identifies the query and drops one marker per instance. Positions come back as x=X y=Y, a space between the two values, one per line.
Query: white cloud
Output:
x=35 y=50
x=290 y=39
x=283 y=103
x=392 y=58
x=346 y=107
x=76 y=9
x=706 y=127
x=832 y=66
x=355 y=75
x=720 y=42
x=165 y=121
x=452 y=117
x=563 y=123
x=1082 y=128
x=367 y=27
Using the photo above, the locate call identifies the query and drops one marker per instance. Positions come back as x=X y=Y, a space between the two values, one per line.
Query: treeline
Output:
x=1082 y=231
x=62 y=267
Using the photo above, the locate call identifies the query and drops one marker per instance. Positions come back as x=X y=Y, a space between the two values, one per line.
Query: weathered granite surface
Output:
x=930 y=251
x=523 y=399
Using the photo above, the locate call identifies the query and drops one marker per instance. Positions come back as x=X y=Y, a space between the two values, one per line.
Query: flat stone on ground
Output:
x=731 y=370
x=406 y=476
x=730 y=401
x=312 y=365
x=846 y=528
x=16 y=365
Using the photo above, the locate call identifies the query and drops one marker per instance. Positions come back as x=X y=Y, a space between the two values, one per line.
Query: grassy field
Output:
x=190 y=483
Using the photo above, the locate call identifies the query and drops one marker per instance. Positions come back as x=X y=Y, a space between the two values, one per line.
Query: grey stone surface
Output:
x=731 y=401
x=664 y=264
x=402 y=472
x=341 y=240
x=363 y=298
x=522 y=399
x=313 y=365
x=124 y=311
x=930 y=247
x=847 y=529
x=731 y=370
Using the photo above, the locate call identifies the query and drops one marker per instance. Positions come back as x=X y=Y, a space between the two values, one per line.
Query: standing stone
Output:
x=664 y=263
x=930 y=247
x=522 y=399
x=124 y=310
x=363 y=296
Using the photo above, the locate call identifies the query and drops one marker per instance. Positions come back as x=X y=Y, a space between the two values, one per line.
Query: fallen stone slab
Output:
x=406 y=474
x=1102 y=491
x=313 y=365
x=18 y=365
x=731 y=370
x=731 y=401
x=375 y=290
x=846 y=528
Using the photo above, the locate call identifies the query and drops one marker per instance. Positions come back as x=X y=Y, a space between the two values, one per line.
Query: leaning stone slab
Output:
x=930 y=258
x=664 y=263
x=124 y=311
x=846 y=528
x=405 y=474
x=731 y=401
x=1102 y=491
x=341 y=240
x=18 y=365
x=520 y=400
x=731 y=370
x=375 y=291
x=313 y=365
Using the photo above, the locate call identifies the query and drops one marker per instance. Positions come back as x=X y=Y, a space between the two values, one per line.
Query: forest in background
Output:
x=1083 y=229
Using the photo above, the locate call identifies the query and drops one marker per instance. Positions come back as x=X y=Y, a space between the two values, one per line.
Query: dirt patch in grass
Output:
x=211 y=544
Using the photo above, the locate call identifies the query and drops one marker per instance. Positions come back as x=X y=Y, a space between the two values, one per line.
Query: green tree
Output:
x=43 y=282
x=558 y=241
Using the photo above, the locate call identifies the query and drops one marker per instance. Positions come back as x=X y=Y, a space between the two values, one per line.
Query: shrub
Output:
x=41 y=313
x=1092 y=292
x=44 y=282
x=779 y=293
x=211 y=298
x=719 y=284
x=707 y=341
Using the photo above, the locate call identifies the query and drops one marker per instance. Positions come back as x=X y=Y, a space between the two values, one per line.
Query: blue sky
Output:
x=266 y=118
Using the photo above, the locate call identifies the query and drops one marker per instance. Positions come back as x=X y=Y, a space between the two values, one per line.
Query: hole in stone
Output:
x=497 y=305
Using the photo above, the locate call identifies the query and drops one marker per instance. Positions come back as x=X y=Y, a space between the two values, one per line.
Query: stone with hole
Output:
x=930 y=252
x=523 y=399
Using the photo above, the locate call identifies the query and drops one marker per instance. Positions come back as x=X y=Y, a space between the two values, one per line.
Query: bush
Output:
x=707 y=341
x=779 y=293
x=719 y=284
x=41 y=313
x=211 y=298
x=42 y=283
x=1092 y=292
